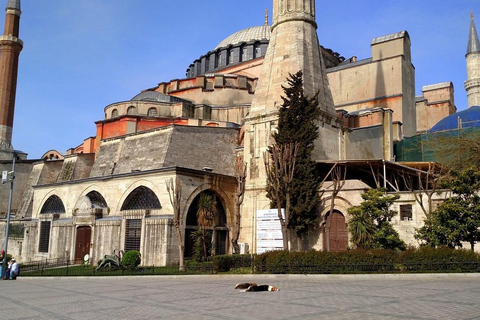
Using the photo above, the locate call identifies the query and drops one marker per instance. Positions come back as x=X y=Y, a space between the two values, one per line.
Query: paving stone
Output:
x=213 y=297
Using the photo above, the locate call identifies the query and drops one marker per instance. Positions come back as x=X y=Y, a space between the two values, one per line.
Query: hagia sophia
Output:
x=110 y=192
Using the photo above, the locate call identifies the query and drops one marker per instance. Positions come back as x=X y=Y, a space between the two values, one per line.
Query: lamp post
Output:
x=10 y=177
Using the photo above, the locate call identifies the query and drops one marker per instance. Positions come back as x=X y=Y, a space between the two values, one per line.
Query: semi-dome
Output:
x=155 y=96
x=246 y=35
x=468 y=118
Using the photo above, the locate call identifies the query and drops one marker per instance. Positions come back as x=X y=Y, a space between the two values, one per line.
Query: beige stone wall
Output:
x=436 y=103
x=158 y=245
x=387 y=83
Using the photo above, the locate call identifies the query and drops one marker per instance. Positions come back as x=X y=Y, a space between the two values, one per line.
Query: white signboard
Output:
x=269 y=231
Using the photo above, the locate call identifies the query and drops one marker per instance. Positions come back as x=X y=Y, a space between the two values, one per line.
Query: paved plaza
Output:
x=213 y=297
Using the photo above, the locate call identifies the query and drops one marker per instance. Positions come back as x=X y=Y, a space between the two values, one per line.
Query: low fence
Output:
x=63 y=267
x=67 y=268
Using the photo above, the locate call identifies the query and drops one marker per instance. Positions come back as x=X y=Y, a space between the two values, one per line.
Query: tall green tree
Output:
x=457 y=219
x=297 y=124
x=370 y=223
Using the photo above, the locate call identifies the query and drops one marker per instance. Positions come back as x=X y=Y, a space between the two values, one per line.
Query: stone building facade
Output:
x=109 y=193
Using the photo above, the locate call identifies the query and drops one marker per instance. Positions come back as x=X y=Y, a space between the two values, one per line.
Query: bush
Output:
x=368 y=261
x=131 y=259
x=439 y=259
x=225 y=263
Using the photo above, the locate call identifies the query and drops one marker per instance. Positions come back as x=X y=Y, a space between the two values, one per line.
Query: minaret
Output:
x=10 y=47
x=472 y=85
x=293 y=47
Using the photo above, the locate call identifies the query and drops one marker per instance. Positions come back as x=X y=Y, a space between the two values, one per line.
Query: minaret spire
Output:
x=10 y=47
x=472 y=85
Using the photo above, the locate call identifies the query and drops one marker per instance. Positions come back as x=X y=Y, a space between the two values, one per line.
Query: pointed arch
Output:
x=141 y=198
x=97 y=200
x=53 y=205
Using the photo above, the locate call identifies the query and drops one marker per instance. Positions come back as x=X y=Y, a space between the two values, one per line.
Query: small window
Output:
x=406 y=212
x=152 y=112
x=131 y=110
x=132 y=234
x=44 y=236
x=244 y=53
x=258 y=50
x=114 y=113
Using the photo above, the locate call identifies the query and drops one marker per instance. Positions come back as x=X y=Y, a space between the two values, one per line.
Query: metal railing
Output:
x=64 y=267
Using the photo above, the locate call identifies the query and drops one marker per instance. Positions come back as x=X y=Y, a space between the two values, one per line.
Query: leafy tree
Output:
x=370 y=223
x=457 y=219
x=297 y=124
x=458 y=149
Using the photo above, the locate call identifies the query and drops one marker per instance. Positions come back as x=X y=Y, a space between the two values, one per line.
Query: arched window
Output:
x=53 y=205
x=97 y=200
x=152 y=112
x=131 y=110
x=141 y=198
x=114 y=113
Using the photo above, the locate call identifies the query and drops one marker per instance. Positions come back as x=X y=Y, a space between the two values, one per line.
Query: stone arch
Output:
x=53 y=205
x=219 y=231
x=340 y=204
x=133 y=186
x=152 y=112
x=91 y=202
x=114 y=113
x=227 y=204
x=141 y=198
x=132 y=110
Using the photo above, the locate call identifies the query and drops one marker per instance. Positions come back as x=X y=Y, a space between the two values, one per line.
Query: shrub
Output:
x=439 y=259
x=131 y=259
x=225 y=263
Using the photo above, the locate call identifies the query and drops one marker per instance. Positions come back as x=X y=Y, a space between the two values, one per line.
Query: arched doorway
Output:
x=217 y=239
x=335 y=237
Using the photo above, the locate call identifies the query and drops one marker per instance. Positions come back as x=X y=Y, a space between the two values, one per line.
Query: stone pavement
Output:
x=440 y=296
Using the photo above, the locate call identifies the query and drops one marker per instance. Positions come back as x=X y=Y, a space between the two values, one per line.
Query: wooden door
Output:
x=336 y=233
x=82 y=246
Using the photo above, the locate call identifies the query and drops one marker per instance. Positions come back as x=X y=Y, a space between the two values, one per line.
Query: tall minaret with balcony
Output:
x=472 y=85
x=10 y=47
x=293 y=47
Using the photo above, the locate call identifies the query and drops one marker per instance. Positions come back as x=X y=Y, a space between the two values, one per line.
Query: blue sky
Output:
x=81 y=55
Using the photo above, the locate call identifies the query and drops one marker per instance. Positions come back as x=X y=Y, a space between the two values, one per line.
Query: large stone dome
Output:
x=246 y=35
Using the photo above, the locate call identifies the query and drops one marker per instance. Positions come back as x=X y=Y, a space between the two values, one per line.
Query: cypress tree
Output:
x=297 y=122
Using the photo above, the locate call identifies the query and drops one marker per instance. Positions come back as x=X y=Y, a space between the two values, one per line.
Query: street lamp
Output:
x=8 y=176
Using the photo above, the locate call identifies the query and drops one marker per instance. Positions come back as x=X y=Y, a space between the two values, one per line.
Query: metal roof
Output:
x=13 y=4
x=156 y=97
x=473 y=43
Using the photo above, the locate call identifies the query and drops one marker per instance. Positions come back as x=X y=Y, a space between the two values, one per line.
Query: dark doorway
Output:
x=217 y=233
x=82 y=246
x=336 y=233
